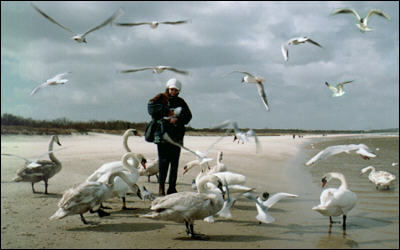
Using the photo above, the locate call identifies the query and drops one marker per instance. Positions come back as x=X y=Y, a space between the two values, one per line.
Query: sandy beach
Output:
x=24 y=215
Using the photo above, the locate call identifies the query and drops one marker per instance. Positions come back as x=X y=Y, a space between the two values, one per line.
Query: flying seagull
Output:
x=249 y=78
x=80 y=38
x=338 y=90
x=156 y=69
x=58 y=79
x=362 y=23
x=153 y=24
x=295 y=41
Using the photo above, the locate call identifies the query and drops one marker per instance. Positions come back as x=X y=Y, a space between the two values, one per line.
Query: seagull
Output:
x=263 y=215
x=362 y=150
x=51 y=82
x=338 y=90
x=31 y=163
x=156 y=69
x=147 y=195
x=362 y=22
x=153 y=24
x=268 y=201
x=81 y=38
x=295 y=41
x=249 y=78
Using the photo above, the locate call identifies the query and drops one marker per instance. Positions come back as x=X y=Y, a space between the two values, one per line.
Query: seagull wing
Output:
x=183 y=72
x=134 y=70
x=23 y=158
x=262 y=215
x=277 y=197
x=313 y=42
x=331 y=87
x=176 y=22
x=340 y=85
x=329 y=151
x=346 y=11
x=60 y=76
x=262 y=94
x=212 y=145
x=117 y=14
x=364 y=152
x=285 y=51
x=51 y=19
x=377 y=12
x=131 y=24
x=169 y=139
x=38 y=87
x=243 y=72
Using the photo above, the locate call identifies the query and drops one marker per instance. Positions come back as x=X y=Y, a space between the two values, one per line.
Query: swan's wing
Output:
x=176 y=22
x=50 y=19
x=285 y=50
x=117 y=14
x=134 y=70
x=131 y=24
x=313 y=42
x=183 y=72
x=377 y=12
x=346 y=11
x=277 y=197
x=261 y=92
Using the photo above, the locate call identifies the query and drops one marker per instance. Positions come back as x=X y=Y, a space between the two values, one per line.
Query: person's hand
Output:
x=173 y=120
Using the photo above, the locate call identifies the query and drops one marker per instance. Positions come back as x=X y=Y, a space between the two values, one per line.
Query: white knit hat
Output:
x=174 y=83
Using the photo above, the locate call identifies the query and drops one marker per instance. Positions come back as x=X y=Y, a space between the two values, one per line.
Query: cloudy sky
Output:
x=221 y=37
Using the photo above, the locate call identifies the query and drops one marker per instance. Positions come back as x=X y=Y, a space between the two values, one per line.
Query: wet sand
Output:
x=24 y=215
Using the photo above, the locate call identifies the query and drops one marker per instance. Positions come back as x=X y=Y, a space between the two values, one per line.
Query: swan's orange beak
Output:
x=185 y=169
x=144 y=164
x=324 y=182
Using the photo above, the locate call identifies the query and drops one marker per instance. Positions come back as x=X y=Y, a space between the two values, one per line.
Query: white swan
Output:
x=41 y=170
x=51 y=82
x=120 y=187
x=156 y=69
x=360 y=149
x=150 y=169
x=258 y=80
x=153 y=24
x=80 y=37
x=188 y=207
x=338 y=90
x=380 y=178
x=295 y=41
x=87 y=196
x=336 y=201
x=362 y=23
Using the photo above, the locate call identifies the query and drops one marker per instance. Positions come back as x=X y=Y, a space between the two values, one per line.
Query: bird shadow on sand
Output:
x=48 y=195
x=119 y=227
x=233 y=238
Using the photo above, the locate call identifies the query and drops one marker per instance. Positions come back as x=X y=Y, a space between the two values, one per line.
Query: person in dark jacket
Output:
x=176 y=115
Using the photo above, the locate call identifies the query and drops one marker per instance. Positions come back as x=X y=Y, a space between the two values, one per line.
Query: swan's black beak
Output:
x=139 y=194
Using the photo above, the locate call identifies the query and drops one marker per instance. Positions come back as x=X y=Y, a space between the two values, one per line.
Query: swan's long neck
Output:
x=201 y=183
x=125 y=142
x=51 y=155
x=341 y=178
x=131 y=168
x=122 y=175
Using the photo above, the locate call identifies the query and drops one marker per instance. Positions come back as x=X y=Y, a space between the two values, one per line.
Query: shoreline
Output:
x=25 y=215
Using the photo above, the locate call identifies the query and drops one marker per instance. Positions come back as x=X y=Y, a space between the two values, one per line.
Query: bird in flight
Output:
x=156 y=69
x=58 y=79
x=362 y=23
x=338 y=90
x=295 y=41
x=153 y=24
x=80 y=38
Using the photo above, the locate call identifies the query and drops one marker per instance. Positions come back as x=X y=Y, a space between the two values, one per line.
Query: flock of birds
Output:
x=213 y=185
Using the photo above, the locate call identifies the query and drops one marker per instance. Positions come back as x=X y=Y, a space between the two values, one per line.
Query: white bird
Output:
x=153 y=24
x=295 y=41
x=395 y=164
x=157 y=69
x=258 y=80
x=187 y=207
x=150 y=169
x=360 y=149
x=80 y=37
x=263 y=215
x=120 y=187
x=147 y=195
x=338 y=90
x=58 y=79
x=40 y=170
x=270 y=201
x=336 y=201
x=362 y=23
x=220 y=166
x=380 y=178
x=88 y=195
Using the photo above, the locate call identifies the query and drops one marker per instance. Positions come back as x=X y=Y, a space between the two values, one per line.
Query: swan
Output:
x=120 y=187
x=295 y=41
x=258 y=80
x=153 y=24
x=360 y=149
x=362 y=23
x=87 y=195
x=336 y=201
x=338 y=90
x=80 y=38
x=150 y=169
x=188 y=207
x=380 y=178
x=156 y=69
x=56 y=80
x=41 y=170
